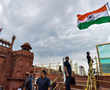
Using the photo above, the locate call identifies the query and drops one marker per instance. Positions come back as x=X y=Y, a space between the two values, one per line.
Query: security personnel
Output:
x=68 y=73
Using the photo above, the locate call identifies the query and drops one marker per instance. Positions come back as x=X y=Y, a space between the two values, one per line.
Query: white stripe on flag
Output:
x=96 y=16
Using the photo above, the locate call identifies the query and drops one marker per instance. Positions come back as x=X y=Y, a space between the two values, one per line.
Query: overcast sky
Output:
x=50 y=26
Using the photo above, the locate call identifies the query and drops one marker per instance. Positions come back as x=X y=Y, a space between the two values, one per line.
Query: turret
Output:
x=26 y=46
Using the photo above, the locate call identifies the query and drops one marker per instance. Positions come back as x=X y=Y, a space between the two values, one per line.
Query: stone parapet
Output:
x=23 y=53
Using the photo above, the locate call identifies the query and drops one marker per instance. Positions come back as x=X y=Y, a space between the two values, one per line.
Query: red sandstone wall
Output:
x=13 y=66
x=5 y=63
x=23 y=61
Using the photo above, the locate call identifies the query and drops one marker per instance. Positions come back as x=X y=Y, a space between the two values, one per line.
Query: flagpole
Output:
x=108 y=7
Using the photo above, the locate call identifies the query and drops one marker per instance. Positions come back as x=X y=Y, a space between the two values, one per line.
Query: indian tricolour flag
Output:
x=98 y=16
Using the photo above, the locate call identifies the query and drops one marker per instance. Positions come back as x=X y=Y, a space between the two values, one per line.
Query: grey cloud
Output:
x=51 y=27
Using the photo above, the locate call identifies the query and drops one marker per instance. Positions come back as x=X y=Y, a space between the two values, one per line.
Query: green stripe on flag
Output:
x=97 y=21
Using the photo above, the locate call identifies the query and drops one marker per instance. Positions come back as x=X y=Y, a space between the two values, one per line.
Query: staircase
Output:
x=61 y=86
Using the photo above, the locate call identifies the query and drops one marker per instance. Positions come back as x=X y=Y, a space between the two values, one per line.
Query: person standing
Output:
x=28 y=81
x=68 y=73
x=43 y=82
x=89 y=59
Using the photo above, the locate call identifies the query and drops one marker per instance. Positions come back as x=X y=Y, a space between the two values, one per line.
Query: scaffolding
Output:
x=91 y=82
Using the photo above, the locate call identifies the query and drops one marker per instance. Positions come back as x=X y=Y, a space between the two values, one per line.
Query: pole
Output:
x=108 y=8
x=97 y=71
x=64 y=71
x=100 y=67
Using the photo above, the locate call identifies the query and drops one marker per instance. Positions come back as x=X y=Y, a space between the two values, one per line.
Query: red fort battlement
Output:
x=14 y=64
